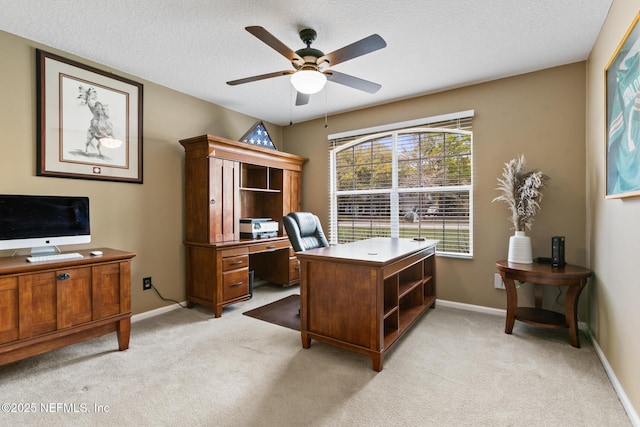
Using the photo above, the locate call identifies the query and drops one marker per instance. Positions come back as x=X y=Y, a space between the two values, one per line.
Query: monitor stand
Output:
x=44 y=250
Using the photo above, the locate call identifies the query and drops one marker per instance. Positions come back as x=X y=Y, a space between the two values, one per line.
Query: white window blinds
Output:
x=409 y=182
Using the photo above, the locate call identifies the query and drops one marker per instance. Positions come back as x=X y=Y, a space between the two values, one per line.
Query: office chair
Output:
x=304 y=231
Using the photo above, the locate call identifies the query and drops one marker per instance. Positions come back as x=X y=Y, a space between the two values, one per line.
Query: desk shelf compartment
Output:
x=260 y=178
x=391 y=305
x=411 y=286
x=407 y=294
x=416 y=292
x=429 y=273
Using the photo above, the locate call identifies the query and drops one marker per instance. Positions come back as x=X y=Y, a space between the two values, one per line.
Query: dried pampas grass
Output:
x=521 y=191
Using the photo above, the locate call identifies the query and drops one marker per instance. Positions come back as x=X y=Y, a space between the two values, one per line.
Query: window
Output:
x=410 y=182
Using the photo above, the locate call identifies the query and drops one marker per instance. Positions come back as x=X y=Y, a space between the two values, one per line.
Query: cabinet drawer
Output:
x=294 y=269
x=235 y=284
x=234 y=263
x=230 y=252
x=269 y=246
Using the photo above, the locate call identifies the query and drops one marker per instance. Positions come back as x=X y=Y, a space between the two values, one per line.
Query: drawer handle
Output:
x=298 y=267
x=63 y=276
x=236 y=263
x=237 y=283
x=271 y=247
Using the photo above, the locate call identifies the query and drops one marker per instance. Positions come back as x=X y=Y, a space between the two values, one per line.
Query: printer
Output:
x=258 y=228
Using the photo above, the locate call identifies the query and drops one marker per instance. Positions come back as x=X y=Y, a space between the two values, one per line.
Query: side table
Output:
x=572 y=276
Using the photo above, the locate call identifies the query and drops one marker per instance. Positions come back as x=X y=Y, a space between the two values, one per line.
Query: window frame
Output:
x=395 y=190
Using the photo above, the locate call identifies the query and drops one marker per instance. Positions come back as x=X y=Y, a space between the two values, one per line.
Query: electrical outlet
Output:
x=497 y=281
x=146 y=283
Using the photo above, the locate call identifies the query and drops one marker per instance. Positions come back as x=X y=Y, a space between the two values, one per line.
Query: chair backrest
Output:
x=304 y=231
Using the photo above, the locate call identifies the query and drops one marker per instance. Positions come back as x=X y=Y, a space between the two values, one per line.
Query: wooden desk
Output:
x=364 y=295
x=218 y=274
x=573 y=276
x=225 y=181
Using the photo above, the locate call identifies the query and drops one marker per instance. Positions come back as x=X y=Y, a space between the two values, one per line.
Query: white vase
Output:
x=520 y=248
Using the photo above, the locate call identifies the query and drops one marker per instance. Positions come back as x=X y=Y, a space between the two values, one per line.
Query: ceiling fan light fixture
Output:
x=308 y=81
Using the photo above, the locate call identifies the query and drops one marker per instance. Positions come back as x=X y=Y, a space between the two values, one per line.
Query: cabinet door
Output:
x=291 y=192
x=105 y=283
x=224 y=207
x=37 y=295
x=9 y=330
x=74 y=296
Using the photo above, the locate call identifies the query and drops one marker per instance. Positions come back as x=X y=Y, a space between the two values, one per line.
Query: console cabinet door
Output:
x=38 y=306
x=9 y=329
x=105 y=283
x=74 y=296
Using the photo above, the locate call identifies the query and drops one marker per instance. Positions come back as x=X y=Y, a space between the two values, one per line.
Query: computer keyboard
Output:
x=54 y=257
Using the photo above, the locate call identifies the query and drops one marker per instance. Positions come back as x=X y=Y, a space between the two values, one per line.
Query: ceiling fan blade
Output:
x=302 y=98
x=270 y=40
x=359 y=48
x=351 y=81
x=260 y=77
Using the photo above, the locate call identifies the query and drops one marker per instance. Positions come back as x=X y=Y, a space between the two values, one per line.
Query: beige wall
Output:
x=540 y=115
x=146 y=219
x=612 y=225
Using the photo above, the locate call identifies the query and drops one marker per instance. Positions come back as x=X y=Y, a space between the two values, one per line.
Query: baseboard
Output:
x=156 y=312
x=626 y=404
x=470 y=307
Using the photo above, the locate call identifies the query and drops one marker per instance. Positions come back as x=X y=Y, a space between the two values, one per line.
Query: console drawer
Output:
x=235 y=284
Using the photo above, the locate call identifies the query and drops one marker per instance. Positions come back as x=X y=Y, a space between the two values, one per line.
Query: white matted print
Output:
x=90 y=122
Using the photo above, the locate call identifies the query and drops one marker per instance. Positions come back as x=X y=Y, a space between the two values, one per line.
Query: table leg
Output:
x=512 y=303
x=306 y=341
x=571 y=311
x=377 y=360
x=123 y=333
x=537 y=291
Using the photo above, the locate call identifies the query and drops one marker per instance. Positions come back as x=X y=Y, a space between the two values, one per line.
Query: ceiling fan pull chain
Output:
x=326 y=96
x=291 y=104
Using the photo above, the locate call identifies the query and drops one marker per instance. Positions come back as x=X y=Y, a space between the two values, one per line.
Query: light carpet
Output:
x=185 y=367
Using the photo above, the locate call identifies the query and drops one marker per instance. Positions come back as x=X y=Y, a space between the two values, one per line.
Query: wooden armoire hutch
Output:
x=227 y=180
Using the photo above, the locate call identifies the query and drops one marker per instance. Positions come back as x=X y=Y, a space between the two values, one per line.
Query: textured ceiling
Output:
x=196 y=46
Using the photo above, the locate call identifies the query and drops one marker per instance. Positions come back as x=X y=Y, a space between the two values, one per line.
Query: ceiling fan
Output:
x=311 y=65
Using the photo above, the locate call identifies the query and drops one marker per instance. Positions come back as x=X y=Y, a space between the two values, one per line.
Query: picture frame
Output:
x=89 y=122
x=622 y=97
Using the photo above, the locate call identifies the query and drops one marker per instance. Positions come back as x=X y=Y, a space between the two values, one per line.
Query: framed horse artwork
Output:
x=89 y=122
